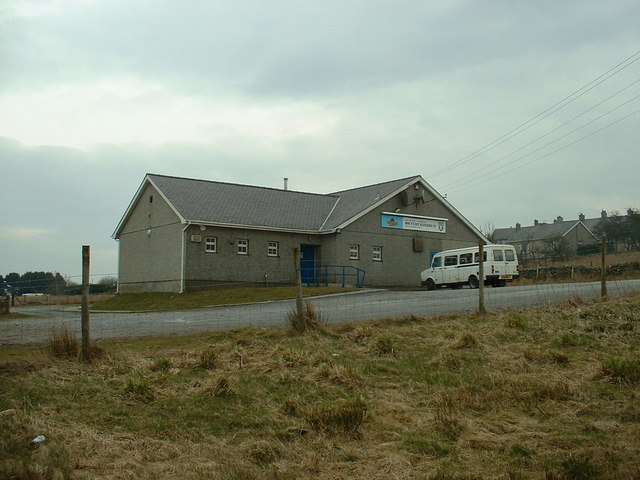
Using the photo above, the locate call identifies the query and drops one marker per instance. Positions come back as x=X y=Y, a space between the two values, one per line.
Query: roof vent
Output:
x=286 y=183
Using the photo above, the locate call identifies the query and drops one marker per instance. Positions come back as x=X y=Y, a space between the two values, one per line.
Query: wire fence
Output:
x=35 y=324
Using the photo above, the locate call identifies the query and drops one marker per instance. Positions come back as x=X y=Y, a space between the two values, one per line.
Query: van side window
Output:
x=466 y=258
x=437 y=262
x=450 y=260
x=509 y=255
x=497 y=256
x=477 y=255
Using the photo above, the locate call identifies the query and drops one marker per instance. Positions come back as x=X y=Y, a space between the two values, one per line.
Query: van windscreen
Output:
x=497 y=256
x=509 y=255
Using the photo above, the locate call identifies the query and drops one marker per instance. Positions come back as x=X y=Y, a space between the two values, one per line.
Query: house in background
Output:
x=182 y=234
x=550 y=240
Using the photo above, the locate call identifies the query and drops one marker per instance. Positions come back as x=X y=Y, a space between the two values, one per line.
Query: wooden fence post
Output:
x=86 y=258
x=481 y=309
x=603 y=268
x=300 y=327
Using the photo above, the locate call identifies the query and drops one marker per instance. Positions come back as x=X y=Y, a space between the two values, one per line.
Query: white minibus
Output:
x=455 y=268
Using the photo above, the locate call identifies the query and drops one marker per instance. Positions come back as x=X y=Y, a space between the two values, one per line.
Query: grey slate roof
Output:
x=592 y=223
x=535 y=232
x=541 y=231
x=358 y=200
x=210 y=202
x=233 y=204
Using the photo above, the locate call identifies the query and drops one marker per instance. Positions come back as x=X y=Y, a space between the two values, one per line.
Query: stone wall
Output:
x=567 y=272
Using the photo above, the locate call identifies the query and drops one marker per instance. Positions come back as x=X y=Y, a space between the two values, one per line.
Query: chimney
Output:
x=603 y=214
x=518 y=226
x=286 y=183
x=559 y=219
x=581 y=217
x=535 y=222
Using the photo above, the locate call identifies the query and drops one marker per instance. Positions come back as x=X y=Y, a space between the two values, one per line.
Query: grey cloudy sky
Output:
x=331 y=94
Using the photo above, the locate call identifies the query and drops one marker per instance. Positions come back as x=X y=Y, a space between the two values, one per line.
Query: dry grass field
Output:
x=59 y=299
x=548 y=394
x=590 y=260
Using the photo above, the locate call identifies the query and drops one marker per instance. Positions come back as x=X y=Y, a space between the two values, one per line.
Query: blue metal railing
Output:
x=326 y=274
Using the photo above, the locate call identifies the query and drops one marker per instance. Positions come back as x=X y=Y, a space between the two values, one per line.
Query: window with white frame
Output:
x=211 y=244
x=272 y=249
x=376 y=254
x=354 y=252
x=243 y=247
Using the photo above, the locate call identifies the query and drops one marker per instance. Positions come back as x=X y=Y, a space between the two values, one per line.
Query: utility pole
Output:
x=86 y=259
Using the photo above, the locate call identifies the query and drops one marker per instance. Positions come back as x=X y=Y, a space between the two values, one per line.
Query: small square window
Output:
x=376 y=254
x=354 y=252
x=243 y=247
x=211 y=244
x=272 y=249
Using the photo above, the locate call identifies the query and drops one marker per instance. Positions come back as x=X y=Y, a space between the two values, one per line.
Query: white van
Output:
x=459 y=267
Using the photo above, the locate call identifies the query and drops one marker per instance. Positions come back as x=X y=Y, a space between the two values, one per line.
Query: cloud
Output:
x=24 y=233
x=125 y=110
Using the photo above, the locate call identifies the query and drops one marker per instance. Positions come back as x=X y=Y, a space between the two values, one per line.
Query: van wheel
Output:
x=431 y=285
x=473 y=281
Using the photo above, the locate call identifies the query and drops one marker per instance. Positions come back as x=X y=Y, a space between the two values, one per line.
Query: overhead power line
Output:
x=505 y=172
x=546 y=113
x=460 y=181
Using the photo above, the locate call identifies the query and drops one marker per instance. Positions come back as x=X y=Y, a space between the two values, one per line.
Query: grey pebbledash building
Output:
x=181 y=234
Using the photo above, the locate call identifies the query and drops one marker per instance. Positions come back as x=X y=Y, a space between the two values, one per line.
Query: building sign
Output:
x=421 y=224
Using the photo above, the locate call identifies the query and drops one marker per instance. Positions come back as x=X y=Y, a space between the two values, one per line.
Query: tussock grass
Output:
x=623 y=370
x=342 y=417
x=312 y=320
x=546 y=393
x=63 y=342
x=208 y=358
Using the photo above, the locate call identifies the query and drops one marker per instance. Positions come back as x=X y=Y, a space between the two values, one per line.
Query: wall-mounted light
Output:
x=203 y=227
x=396 y=210
x=148 y=232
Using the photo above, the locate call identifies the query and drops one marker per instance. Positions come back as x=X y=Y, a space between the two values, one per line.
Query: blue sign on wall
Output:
x=422 y=224
x=392 y=221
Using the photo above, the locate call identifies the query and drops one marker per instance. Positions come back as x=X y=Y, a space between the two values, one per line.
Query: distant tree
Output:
x=73 y=288
x=557 y=248
x=37 y=282
x=105 y=285
x=489 y=231
x=633 y=228
x=622 y=231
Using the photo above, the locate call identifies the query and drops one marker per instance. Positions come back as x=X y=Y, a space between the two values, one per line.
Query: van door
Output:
x=510 y=261
x=450 y=271
x=498 y=264
x=436 y=267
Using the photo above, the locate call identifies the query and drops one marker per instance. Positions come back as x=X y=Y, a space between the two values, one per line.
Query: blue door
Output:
x=308 y=264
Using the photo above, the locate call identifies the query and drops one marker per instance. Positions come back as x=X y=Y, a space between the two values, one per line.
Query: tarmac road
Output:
x=353 y=307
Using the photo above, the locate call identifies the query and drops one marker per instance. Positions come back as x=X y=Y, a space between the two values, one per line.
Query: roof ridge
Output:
x=375 y=184
x=240 y=185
